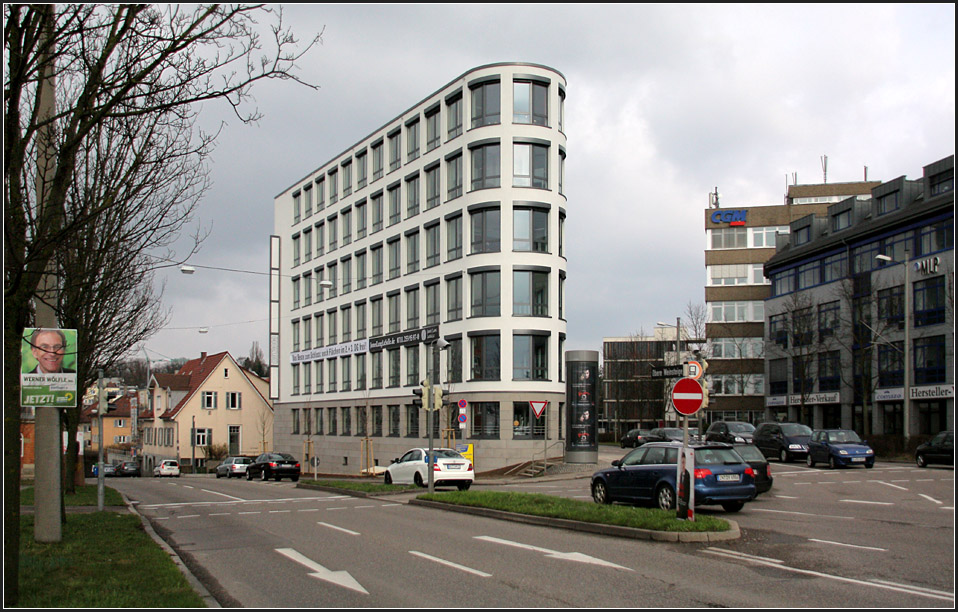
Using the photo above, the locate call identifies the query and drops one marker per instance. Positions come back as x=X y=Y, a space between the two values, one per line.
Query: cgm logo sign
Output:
x=732 y=217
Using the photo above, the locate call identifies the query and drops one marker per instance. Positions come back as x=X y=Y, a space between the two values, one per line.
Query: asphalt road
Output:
x=817 y=539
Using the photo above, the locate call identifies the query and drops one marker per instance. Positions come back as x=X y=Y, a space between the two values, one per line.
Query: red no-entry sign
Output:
x=687 y=396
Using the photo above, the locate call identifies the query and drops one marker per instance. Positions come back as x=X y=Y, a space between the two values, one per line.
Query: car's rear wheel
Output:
x=418 y=480
x=249 y=475
x=809 y=461
x=665 y=497
x=263 y=475
x=465 y=486
x=733 y=506
x=218 y=475
x=920 y=461
x=388 y=478
x=600 y=493
x=295 y=478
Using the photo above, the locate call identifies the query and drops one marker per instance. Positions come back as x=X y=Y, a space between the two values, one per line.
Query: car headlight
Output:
x=869 y=452
x=739 y=439
x=843 y=452
x=796 y=447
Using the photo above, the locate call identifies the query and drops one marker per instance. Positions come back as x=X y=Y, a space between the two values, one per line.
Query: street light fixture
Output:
x=906 y=400
x=187 y=269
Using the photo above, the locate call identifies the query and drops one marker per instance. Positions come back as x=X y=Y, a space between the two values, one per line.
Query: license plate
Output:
x=729 y=477
x=453 y=466
x=858 y=459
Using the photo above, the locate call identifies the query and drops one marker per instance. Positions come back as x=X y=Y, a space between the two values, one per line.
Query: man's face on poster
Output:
x=48 y=349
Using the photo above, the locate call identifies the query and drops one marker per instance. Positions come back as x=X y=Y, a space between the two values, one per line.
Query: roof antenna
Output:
x=825 y=169
x=714 y=199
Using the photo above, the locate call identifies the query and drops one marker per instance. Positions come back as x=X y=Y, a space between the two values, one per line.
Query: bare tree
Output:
x=256 y=361
x=119 y=74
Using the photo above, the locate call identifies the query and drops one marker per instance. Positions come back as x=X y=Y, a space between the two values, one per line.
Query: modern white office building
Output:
x=444 y=223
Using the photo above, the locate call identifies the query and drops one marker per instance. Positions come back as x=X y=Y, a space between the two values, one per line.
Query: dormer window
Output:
x=888 y=203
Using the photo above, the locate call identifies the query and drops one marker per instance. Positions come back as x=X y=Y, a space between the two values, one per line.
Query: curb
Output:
x=612 y=530
x=197 y=586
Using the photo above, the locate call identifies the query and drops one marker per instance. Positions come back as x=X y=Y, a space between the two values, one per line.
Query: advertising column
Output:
x=582 y=370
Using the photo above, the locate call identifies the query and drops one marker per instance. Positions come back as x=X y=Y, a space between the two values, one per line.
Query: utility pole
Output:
x=48 y=525
x=101 y=408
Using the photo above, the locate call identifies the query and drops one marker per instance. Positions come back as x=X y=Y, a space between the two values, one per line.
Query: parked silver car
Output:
x=233 y=466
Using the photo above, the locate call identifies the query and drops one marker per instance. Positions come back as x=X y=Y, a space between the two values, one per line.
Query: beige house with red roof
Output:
x=225 y=403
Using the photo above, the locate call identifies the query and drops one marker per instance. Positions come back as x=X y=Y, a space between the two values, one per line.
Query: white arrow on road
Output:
x=342 y=578
x=572 y=556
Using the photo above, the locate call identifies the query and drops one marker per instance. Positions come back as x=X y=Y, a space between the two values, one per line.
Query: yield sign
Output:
x=538 y=407
x=687 y=396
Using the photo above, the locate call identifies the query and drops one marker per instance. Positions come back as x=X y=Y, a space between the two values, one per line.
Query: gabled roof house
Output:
x=210 y=401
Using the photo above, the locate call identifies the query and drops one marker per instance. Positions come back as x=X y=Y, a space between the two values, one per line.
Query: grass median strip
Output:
x=85 y=496
x=536 y=504
x=104 y=560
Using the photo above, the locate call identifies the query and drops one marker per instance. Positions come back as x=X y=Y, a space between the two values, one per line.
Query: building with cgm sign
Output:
x=840 y=312
x=445 y=222
x=738 y=243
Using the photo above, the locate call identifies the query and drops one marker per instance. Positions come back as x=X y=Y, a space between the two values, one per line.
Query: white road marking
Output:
x=931 y=499
x=573 y=556
x=862 y=501
x=802 y=513
x=341 y=578
x=450 y=564
x=888 y=484
x=223 y=494
x=343 y=529
x=921 y=591
x=848 y=545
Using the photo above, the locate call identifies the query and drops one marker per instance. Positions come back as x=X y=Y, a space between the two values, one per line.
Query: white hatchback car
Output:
x=167 y=467
x=449 y=469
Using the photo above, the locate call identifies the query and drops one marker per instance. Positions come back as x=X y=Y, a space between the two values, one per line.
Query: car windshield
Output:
x=796 y=429
x=741 y=427
x=284 y=456
x=844 y=437
x=749 y=452
x=716 y=456
x=243 y=460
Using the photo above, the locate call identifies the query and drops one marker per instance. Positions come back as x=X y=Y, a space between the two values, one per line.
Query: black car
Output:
x=940 y=449
x=666 y=434
x=784 y=441
x=128 y=468
x=275 y=466
x=755 y=458
x=635 y=438
x=733 y=432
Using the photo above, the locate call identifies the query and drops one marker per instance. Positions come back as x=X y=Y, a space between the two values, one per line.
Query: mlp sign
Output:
x=687 y=396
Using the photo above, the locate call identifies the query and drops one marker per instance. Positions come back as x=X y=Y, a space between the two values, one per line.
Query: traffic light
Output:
x=422 y=395
x=437 y=398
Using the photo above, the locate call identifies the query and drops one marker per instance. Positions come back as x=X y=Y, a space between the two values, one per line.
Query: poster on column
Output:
x=581 y=383
x=48 y=367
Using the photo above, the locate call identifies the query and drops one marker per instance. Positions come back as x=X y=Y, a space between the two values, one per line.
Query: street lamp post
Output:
x=906 y=400
x=439 y=345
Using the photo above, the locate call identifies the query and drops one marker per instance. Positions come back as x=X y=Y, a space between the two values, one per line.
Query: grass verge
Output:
x=104 y=560
x=365 y=486
x=85 y=496
x=559 y=507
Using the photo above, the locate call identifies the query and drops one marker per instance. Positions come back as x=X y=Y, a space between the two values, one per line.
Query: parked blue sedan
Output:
x=839 y=448
x=647 y=474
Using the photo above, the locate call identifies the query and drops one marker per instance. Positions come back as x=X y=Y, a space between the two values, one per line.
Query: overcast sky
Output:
x=664 y=103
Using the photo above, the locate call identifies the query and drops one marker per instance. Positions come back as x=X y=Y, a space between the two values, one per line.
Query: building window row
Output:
x=530 y=106
x=530 y=355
